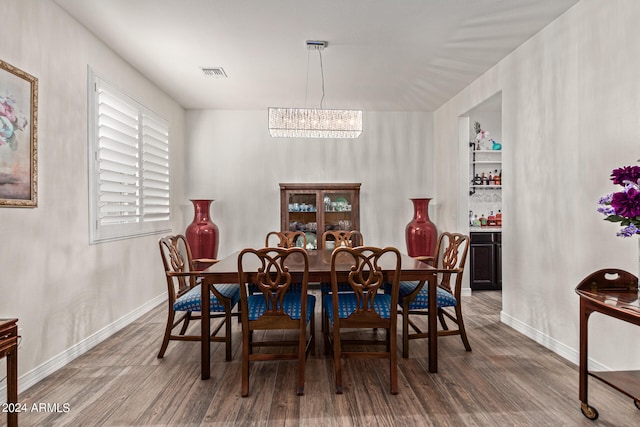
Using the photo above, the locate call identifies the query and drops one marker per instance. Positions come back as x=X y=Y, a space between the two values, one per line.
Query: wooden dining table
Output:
x=226 y=271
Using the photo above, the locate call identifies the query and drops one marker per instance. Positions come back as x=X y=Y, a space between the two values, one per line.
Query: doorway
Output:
x=481 y=205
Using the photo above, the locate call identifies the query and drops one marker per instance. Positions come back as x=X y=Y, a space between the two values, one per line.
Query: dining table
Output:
x=226 y=271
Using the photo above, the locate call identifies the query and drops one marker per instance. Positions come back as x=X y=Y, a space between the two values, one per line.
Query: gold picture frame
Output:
x=18 y=137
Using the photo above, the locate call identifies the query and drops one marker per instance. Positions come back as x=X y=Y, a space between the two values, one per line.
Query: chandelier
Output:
x=315 y=122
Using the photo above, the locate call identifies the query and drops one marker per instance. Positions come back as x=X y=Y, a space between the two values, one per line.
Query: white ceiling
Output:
x=383 y=55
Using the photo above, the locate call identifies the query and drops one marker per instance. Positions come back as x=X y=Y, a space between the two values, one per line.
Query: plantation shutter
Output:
x=130 y=174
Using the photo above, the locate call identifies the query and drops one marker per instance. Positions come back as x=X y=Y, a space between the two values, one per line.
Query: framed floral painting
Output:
x=18 y=137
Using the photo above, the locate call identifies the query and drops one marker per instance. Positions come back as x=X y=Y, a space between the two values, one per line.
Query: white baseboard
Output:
x=50 y=366
x=571 y=354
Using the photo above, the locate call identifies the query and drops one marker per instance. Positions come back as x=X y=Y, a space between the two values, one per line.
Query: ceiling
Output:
x=383 y=55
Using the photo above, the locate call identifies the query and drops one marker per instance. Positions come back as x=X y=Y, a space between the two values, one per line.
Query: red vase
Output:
x=421 y=233
x=202 y=233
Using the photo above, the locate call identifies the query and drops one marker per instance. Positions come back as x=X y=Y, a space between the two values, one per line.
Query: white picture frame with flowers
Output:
x=18 y=137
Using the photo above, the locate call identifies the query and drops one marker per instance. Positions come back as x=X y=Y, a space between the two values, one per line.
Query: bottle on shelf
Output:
x=476 y=221
x=483 y=221
x=499 y=218
x=491 y=220
x=490 y=179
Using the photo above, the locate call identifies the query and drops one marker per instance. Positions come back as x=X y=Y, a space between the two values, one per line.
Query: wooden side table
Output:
x=611 y=292
x=9 y=349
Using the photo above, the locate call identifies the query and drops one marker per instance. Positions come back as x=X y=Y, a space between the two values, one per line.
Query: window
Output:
x=128 y=166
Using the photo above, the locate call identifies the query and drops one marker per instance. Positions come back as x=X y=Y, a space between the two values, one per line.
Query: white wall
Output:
x=63 y=290
x=233 y=160
x=571 y=104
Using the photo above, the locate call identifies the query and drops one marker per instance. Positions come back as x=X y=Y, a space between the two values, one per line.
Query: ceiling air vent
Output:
x=216 y=72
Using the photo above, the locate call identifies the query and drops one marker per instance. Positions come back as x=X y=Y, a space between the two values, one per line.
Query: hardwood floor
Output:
x=507 y=380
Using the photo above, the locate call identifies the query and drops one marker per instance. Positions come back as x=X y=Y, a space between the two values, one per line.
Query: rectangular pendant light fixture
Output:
x=314 y=123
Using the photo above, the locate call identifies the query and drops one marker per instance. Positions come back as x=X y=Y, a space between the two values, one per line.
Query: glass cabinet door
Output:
x=338 y=210
x=303 y=214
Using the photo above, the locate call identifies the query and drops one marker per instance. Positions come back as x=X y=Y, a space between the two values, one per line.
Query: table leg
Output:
x=12 y=384
x=584 y=351
x=205 y=330
x=433 y=324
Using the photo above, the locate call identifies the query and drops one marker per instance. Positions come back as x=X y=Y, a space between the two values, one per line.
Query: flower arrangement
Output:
x=624 y=206
x=480 y=134
x=11 y=120
x=483 y=136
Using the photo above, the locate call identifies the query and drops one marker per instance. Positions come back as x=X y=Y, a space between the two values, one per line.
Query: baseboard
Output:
x=50 y=366
x=561 y=349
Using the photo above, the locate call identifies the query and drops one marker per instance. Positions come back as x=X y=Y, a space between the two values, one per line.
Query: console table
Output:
x=614 y=293
x=9 y=349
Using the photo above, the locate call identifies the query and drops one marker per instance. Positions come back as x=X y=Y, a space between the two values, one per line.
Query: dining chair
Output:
x=339 y=238
x=365 y=307
x=451 y=255
x=286 y=239
x=275 y=307
x=332 y=239
x=185 y=296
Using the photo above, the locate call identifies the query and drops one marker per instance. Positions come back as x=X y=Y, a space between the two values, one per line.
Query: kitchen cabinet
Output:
x=486 y=260
x=318 y=207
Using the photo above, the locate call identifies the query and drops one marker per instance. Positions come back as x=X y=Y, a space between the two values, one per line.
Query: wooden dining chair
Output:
x=185 y=296
x=275 y=307
x=338 y=238
x=286 y=239
x=451 y=255
x=366 y=307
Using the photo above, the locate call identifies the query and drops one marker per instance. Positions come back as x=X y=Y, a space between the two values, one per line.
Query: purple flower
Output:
x=605 y=200
x=626 y=203
x=628 y=231
x=606 y=210
x=625 y=173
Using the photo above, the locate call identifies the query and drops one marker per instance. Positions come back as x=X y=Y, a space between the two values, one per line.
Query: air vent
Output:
x=216 y=72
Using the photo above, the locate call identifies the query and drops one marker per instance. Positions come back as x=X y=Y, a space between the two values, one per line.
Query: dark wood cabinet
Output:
x=9 y=349
x=486 y=260
x=316 y=208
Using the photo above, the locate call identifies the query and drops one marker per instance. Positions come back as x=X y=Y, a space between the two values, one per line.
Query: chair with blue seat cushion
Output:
x=364 y=307
x=284 y=239
x=184 y=296
x=332 y=239
x=275 y=306
x=451 y=255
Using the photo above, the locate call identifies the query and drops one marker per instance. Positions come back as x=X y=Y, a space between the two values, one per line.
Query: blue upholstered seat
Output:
x=347 y=304
x=325 y=287
x=291 y=304
x=191 y=300
x=421 y=301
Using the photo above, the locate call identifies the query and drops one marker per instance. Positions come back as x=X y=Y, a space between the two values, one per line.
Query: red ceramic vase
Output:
x=202 y=233
x=421 y=233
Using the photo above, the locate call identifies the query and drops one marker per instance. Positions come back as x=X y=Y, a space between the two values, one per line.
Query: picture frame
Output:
x=18 y=137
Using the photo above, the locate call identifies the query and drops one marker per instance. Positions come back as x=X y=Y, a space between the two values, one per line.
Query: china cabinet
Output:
x=315 y=208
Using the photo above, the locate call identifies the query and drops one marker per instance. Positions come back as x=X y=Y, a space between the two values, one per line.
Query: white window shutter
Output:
x=129 y=168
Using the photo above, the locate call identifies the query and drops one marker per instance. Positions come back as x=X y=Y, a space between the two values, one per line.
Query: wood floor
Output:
x=507 y=380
